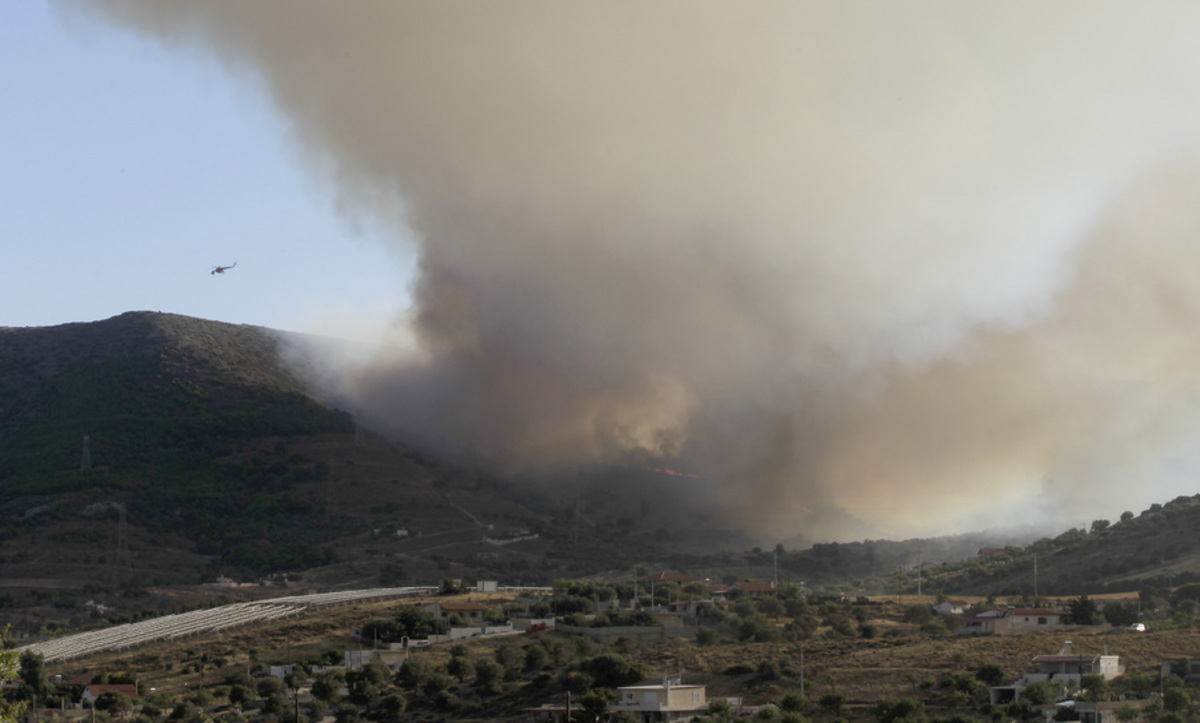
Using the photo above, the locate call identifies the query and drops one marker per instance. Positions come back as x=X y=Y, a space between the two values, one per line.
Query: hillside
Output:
x=1157 y=548
x=206 y=456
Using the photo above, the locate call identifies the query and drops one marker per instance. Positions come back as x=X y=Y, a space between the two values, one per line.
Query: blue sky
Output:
x=128 y=170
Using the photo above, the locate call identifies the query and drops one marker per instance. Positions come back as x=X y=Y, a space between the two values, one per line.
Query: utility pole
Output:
x=1035 y=573
x=801 y=670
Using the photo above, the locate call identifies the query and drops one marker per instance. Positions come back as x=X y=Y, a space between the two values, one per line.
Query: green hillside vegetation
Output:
x=171 y=407
x=1159 y=547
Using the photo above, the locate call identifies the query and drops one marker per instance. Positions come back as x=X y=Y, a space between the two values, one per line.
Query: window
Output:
x=1041 y=621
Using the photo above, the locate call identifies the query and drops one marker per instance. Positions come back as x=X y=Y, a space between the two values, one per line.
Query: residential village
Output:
x=668 y=646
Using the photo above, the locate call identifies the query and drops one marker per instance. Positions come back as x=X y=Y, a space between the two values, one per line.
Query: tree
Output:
x=595 y=702
x=1121 y=614
x=240 y=694
x=1128 y=713
x=613 y=671
x=347 y=713
x=114 y=703
x=990 y=674
x=1083 y=611
x=904 y=710
x=460 y=667
x=393 y=706
x=268 y=686
x=488 y=675
x=1126 y=516
x=1040 y=693
x=793 y=703
x=510 y=657
x=1175 y=699
x=33 y=673
x=326 y=686
x=536 y=657
x=770 y=606
x=719 y=709
x=1099 y=526
x=1139 y=685
x=1095 y=685
x=833 y=703
x=413 y=622
x=10 y=664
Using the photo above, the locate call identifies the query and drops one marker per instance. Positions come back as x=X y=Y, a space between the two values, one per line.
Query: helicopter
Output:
x=223 y=269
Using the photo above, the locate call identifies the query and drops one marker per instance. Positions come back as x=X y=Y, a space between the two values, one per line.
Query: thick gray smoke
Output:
x=922 y=267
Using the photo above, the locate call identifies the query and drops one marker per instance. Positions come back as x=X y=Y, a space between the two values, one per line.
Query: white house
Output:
x=1065 y=669
x=952 y=607
x=668 y=701
x=1011 y=620
x=468 y=611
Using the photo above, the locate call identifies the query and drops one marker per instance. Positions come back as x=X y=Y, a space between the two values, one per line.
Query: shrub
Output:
x=832 y=703
x=891 y=710
x=793 y=703
x=613 y=671
x=990 y=674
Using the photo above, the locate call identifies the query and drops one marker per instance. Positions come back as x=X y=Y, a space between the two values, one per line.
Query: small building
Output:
x=92 y=692
x=393 y=657
x=1105 y=712
x=952 y=607
x=1068 y=664
x=670 y=700
x=1183 y=665
x=1064 y=670
x=1021 y=620
x=1010 y=621
x=487 y=586
x=719 y=592
x=756 y=589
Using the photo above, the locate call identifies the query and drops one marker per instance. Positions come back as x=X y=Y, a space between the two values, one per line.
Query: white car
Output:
x=1139 y=627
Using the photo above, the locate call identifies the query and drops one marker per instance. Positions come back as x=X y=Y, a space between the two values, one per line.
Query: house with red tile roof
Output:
x=719 y=592
x=756 y=589
x=92 y=692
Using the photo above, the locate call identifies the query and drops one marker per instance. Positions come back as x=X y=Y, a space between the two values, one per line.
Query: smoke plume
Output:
x=866 y=268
